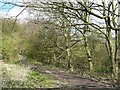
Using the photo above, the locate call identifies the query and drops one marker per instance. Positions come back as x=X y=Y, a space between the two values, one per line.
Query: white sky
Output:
x=15 y=11
x=24 y=15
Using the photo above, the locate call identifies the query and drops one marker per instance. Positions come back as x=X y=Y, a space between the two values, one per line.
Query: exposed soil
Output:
x=67 y=79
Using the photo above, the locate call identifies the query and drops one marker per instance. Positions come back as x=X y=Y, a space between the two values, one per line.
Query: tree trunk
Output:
x=54 y=58
x=119 y=59
x=111 y=54
x=116 y=44
x=67 y=41
x=86 y=17
x=69 y=60
x=0 y=39
x=88 y=54
x=119 y=44
x=66 y=31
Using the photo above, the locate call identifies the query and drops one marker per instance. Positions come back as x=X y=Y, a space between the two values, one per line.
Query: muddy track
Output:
x=67 y=79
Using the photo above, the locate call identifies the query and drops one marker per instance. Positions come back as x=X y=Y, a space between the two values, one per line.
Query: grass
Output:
x=9 y=48
x=15 y=76
x=37 y=79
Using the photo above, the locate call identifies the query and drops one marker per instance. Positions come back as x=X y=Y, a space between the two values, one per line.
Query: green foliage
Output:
x=39 y=49
x=9 y=52
x=9 y=26
x=39 y=46
x=12 y=38
x=37 y=79
x=102 y=64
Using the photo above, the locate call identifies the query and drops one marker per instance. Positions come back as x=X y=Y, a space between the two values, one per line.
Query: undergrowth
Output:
x=15 y=76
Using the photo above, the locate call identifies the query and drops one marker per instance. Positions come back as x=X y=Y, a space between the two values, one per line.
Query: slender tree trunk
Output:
x=115 y=64
x=110 y=47
x=86 y=17
x=66 y=31
x=67 y=41
x=54 y=58
x=119 y=59
x=69 y=59
x=88 y=54
x=119 y=44
x=0 y=39
x=109 y=40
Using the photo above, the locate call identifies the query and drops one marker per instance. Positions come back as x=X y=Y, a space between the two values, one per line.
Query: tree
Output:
x=119 y=44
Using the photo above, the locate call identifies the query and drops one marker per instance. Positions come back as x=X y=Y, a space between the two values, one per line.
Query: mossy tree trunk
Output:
x=119 y=44
x=110 y=47
x=119 y=59
x=86 y=18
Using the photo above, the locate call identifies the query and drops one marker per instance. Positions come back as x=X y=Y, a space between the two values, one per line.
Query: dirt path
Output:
x=67 y=79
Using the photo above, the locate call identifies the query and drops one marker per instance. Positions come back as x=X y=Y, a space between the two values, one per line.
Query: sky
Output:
x=7 y=11
x=10 y=10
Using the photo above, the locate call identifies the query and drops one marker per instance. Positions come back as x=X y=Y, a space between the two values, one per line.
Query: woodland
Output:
x=62 y=44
